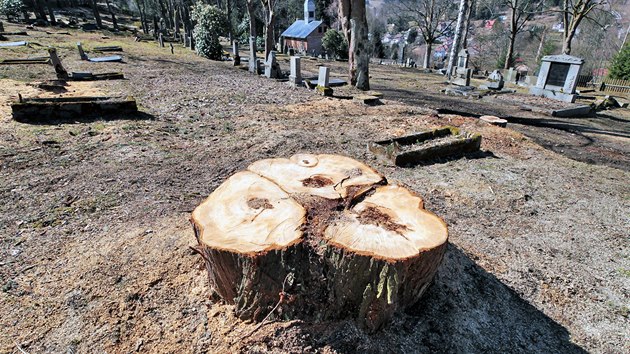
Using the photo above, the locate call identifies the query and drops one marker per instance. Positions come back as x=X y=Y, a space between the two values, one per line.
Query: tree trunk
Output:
x=427 y=53
x=466 y=25
x=112 y=14
x=97 y=16
x=229 y=16
x=455 y=46
x=566 y=44
x=51 y=13
x=345 y=15
x=317 y=237
x=510 y=52
x=253 y=66
x=40 y=13
x=359 y=45
x=269 y=26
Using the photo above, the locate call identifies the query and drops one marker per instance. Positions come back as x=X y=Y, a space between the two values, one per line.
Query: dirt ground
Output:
x=94 y=252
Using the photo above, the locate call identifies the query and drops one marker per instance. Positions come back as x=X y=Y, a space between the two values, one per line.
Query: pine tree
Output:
x=620 y=67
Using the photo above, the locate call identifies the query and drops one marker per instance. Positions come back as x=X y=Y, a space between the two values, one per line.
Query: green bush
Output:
x=620 y=66
x=335 y=43
x=11 y=8
x=211 y=22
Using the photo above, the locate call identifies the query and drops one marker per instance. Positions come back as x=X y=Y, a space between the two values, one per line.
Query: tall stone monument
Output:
x=557 y=78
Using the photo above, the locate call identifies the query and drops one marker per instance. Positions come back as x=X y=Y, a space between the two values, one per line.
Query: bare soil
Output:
x=94 y=252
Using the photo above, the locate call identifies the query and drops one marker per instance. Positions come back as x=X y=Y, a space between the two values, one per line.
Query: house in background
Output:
x=305 y=36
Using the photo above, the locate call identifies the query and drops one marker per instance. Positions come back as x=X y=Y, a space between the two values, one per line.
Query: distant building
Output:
x=305 y=36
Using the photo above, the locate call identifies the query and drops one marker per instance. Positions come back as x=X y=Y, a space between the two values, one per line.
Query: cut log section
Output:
x=327 y=176
x=318 y=237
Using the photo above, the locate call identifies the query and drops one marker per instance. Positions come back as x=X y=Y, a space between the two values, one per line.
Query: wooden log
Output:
x=317 y=237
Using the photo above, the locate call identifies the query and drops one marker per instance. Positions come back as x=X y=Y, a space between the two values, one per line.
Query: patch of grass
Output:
x=99 y=127
x=624 y=272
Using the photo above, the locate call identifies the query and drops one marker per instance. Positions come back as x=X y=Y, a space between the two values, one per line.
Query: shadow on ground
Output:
x=466 y=310
x=89 y=118
x=565 y=136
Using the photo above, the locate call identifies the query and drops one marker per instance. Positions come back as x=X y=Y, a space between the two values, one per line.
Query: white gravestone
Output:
x=295 y=78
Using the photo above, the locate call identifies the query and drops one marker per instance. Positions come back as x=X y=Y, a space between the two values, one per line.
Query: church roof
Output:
x=301 y=29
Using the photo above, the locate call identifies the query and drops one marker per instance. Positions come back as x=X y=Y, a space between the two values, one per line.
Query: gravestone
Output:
x=61 y=72
x=557 y=78
x=161 y=40
x=237 y=57
x=295 y=79
x=253 y=61
x=272 y=68
x=495 y=81
x=530 y=80
x=462 y=73
x=401 y=54
x=510 y=76
x=323 y=84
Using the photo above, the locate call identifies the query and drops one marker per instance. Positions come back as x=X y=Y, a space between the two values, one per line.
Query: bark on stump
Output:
x=323 y=236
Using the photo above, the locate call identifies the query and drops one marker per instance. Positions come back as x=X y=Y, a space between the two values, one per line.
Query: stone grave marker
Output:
x=323 y=84
x=510 y=76
x=495 y=81
x=253 y=61
x=462 y=72
x=557 y=78
x=530 y=80
x=295 y=78
x=161 y=40
x=272 y=68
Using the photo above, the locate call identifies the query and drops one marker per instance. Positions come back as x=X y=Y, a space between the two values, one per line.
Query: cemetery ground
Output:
x=94 y=251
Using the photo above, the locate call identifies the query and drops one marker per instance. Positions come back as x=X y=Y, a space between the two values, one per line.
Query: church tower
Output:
x=309 y=10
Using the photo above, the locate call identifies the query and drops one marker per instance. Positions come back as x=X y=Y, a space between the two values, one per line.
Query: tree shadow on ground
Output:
x=132 y=116
x=466 y=310
x=573 y=127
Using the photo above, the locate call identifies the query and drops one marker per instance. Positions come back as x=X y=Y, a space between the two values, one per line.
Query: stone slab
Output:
x=556 y=95
x=426 y=146
x=579 y=111
x=499 y=122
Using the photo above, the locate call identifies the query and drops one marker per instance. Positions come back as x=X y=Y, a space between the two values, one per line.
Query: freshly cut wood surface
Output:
x=327 y=176
x=318 y=237
x=249 y=213
x=391 y=224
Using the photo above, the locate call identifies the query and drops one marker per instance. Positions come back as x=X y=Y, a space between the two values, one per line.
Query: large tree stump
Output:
x=323 y=236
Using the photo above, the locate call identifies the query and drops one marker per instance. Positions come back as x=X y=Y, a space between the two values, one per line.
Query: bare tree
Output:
x=573 y=13
x=269 y=11
x=112 y=14
x=520 y=12
x=97 y=16
x=352 y=16
x=433 y=19
x=251 y=9
x=456 y=38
